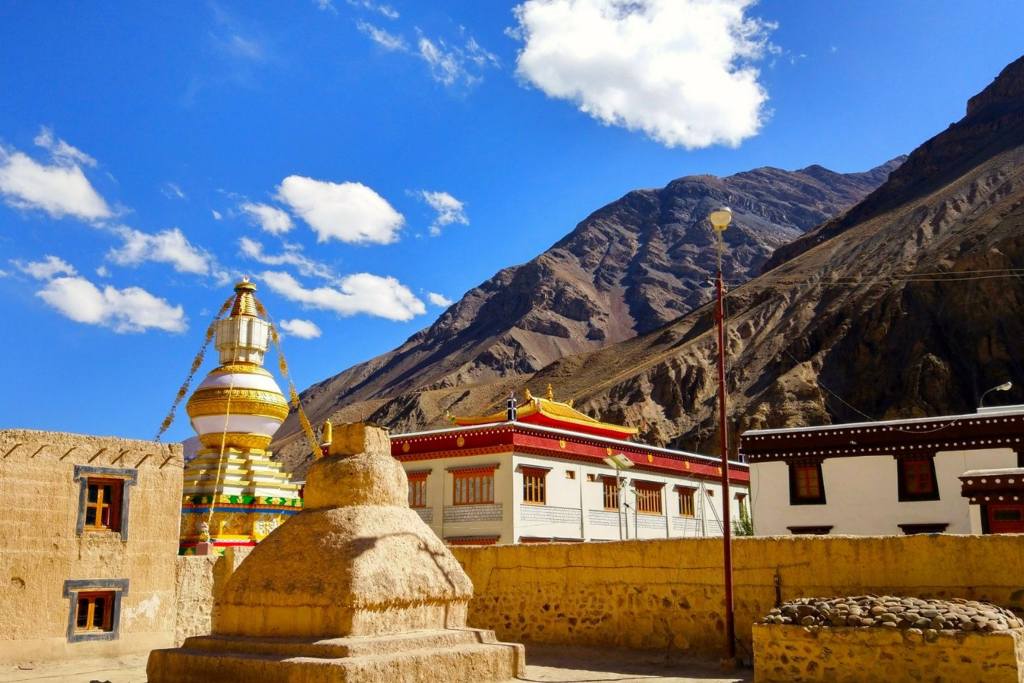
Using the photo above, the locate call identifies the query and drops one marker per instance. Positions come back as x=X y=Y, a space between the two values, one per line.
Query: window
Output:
x=686 y=502
x=648 y=497
x=103 y=498
x=570 y=474
x=917 y=479
x=94 y=611
x=925 y=528
x=741 y=503
x=473 y=487
x=809 y=530
x=611 y=493
x=806 y=486
x=418 y=490
x=533 y=485
x=94 y=608
x=103 y=504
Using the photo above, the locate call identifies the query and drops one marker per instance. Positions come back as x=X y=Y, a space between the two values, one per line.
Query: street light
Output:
x=618 y=462
x=720 y=219
x=1005 y=386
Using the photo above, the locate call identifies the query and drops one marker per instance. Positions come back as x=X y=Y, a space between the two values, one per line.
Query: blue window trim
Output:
x=72 y=587
x=82 y=474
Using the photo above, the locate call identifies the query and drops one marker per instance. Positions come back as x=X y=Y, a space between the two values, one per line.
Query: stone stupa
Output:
x=353 y=588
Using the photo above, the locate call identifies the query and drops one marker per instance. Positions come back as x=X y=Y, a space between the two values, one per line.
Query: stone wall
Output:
x=803 y=655
x=667 y=594
x=200 y=579
x=41 y=546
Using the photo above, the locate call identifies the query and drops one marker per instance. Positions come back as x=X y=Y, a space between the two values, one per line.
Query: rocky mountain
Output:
x=628 y=268
x=911 y=303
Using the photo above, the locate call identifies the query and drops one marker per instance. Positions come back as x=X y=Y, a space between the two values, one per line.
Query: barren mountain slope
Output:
x=910 y=311
x=628 y=268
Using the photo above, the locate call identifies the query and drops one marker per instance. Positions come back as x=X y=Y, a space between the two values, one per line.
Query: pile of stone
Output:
x=887 y=611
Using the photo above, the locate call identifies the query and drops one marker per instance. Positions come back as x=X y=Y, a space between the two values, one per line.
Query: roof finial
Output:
x=551 y=392
x=527 y=395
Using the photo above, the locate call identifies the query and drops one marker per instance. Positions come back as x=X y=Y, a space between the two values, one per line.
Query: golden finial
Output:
x=327 y=433
x=528 y=396
x=569 y=403
x=245 y=302
x=448 y=415
x=551 y=392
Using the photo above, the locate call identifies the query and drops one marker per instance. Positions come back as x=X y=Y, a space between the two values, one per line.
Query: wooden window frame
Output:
x=821 y=530
x=652 y=493
x=607 y=496
x=418 y=490
x=905 y=494
x=125 y=478
x=477 y=486
x=108 y=590
x=534 y=485
x=688 y=493
x=794 y=497
x=111 y=506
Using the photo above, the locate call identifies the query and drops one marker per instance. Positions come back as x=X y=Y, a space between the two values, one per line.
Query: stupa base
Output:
x=423 y=656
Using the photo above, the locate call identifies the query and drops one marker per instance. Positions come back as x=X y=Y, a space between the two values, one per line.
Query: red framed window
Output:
x=94 y=611
x=917 y=479
x=473 y=487
x=103 y=504
x=806 y=484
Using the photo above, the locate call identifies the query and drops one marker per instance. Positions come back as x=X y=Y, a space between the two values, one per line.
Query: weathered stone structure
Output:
x=355 y=587
x=794 y=654
x=88 y=540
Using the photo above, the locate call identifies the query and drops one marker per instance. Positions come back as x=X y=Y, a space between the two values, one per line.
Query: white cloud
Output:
x=350 y=212
x=4 y=273
x=172 y=191
x=270 y=218
x=678 y=70
x=169 y=246
x=451 y=65
x=50 y=267
x=439 y=299
x=292 y=256
x=449 y=210
x=103 y=271
x=61 y=151
x=245 y=48
x=60 y=189
x=384 y=297
x=124 y=310
x=386 y=10
x=216 y=214
x=388 y=41
x=303 y=329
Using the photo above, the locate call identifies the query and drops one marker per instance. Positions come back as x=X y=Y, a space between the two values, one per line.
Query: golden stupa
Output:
x=234 y=492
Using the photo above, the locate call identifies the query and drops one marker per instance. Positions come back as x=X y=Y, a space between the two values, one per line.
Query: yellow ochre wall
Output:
x=668 y=594
x=39 y=548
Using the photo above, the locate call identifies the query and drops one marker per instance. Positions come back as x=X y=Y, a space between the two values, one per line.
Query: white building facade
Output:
x=889 y=477
x=520 y=482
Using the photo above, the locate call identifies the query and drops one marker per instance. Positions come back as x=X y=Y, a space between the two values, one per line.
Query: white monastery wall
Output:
x=862 y=497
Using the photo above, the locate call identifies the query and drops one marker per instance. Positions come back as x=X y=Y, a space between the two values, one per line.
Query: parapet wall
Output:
x=668 y=595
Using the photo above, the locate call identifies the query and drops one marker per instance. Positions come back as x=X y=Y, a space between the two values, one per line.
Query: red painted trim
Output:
x=578 y=447
x=471 y=540
x=473 y=471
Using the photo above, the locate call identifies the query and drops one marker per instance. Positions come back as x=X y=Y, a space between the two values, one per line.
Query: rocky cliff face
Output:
x=627 y=269
x=911 y=303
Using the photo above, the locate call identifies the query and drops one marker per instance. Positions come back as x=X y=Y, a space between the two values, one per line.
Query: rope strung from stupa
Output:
x=220 y=460
x=293 y=395
x=196 y=364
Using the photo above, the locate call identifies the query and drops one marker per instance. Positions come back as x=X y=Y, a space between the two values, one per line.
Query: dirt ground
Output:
x=543 y=664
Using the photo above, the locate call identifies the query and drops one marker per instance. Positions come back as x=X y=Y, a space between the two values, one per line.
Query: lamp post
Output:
x=1005 y=386
x=720 y=219
x=619 y=462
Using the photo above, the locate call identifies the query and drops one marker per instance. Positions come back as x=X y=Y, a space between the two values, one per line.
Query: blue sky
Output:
x=378 y=158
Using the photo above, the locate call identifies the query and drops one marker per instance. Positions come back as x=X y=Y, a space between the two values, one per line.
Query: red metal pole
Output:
x=730 y=627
